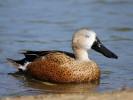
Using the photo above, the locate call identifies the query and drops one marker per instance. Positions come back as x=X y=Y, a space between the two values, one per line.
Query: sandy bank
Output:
x=115 y=95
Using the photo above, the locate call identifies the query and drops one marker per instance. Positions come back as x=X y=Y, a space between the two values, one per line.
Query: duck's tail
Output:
x=19 y=64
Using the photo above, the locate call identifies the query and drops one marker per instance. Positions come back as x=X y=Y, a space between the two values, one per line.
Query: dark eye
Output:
x=87 y=36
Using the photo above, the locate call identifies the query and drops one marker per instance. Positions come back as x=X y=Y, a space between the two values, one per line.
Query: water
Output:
x=49 y=25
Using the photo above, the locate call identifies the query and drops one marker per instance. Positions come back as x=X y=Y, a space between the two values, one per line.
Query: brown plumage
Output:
x=61 y=66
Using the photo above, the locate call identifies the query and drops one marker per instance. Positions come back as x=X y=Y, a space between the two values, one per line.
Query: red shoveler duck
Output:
x=65 y=67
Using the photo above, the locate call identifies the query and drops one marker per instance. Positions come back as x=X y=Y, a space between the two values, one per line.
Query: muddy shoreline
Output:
x=114 y=95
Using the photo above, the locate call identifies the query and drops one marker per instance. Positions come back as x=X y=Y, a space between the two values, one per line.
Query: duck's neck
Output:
x=80 y=54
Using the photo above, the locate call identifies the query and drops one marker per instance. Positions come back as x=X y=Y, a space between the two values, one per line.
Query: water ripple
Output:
x=122 y=29
x=50 y=22
x=116 y=38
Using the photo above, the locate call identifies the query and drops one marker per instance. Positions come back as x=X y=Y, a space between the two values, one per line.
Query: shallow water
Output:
x=49 y=25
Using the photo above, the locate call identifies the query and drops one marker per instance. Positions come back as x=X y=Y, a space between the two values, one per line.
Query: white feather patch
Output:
x=24 y=66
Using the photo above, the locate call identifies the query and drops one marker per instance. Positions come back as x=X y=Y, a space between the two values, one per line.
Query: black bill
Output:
x=99 y=47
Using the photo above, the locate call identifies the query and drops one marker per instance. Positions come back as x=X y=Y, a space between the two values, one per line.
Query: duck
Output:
x=65 y=67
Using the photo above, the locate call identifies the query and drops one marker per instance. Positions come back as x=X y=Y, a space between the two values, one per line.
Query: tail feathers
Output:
x=15 y=64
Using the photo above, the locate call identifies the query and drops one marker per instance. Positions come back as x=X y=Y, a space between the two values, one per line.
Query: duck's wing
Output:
x=32 y=55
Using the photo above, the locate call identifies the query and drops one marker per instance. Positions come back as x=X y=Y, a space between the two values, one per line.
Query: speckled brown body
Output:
x=58 y=67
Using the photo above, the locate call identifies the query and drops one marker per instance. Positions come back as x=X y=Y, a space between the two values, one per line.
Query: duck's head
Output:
x=85 y=39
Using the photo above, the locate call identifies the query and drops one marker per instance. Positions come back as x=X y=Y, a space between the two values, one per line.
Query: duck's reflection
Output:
x=55 y=88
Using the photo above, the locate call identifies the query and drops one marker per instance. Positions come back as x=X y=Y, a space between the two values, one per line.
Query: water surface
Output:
x=49 y=25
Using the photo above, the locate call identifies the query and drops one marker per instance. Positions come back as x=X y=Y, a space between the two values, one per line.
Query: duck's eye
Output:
x=87 y=36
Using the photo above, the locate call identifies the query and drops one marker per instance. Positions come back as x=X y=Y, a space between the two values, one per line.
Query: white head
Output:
x=84 y=39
